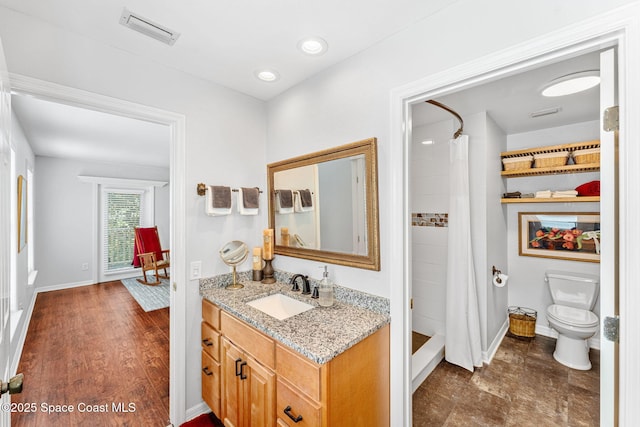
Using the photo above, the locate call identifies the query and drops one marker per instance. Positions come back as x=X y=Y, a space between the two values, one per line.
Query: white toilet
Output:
x=574 y=295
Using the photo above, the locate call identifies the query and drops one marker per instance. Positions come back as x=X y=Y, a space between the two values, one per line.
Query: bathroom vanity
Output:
x=325 y=366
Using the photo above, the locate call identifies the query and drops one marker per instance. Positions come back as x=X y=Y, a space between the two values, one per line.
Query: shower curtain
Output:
x=462 y=324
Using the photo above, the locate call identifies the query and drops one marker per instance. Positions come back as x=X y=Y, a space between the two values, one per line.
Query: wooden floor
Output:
x=523 y=386
x=93 y=350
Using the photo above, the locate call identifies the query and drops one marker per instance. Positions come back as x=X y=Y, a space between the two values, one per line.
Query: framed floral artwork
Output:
x=561 y=235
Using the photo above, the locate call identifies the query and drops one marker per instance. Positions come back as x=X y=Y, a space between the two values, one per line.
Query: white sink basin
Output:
x=280 y=306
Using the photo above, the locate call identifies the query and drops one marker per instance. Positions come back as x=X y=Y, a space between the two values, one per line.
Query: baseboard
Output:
x=23 y=335
x=63 y=286
x=487 y=356
x=197 y=410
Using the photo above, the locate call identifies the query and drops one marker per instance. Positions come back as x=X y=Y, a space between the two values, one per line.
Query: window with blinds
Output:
x=122 y=212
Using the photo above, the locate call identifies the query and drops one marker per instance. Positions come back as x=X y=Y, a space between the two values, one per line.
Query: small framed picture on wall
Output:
x=571 y=236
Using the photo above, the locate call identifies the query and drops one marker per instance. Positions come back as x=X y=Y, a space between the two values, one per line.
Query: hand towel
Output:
x=512 y=195
x=544 y=194
x=284 y=201
x=218 y=200
x=248 y=201
x=303 y=201
x=564 y=193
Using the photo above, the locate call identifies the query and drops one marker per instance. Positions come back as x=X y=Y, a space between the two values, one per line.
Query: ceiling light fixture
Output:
x=267 y=75
x=572 y=83
x=427 y=142
x=313 y=46
x=148 y=27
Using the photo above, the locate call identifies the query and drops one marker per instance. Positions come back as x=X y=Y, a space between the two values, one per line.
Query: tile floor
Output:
x=523 y=386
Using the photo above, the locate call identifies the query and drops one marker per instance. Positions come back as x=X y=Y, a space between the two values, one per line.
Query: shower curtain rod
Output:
x=444 y=107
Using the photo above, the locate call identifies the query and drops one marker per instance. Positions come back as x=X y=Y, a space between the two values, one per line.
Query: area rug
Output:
x=204 y=420
x=149 y=297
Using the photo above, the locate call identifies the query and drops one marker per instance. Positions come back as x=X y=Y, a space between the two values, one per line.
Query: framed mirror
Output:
x=323 y=206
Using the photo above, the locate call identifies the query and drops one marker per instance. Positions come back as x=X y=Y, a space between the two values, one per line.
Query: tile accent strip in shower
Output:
x=430 y=219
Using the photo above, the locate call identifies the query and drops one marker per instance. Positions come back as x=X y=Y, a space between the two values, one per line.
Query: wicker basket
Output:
x=547 y=160
x=581 y=157
x=522 y=321
x=517 y=163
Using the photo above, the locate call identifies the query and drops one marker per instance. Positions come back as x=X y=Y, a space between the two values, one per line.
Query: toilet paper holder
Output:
x=496 y=273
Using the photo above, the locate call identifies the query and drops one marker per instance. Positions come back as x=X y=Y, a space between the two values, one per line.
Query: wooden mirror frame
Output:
x=366 y=147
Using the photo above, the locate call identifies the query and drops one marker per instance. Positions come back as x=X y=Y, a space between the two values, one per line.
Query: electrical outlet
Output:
x=196 y=270
x=84 y=266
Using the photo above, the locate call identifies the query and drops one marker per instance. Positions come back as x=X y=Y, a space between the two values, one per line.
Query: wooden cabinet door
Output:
x=231 y=396
x=259 y=393
x=211 y=382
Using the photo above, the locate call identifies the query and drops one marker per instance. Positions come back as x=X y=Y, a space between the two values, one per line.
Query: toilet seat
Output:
x=572 y=316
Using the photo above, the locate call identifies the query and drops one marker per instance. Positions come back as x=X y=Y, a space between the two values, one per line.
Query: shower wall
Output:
x=429 y=193
x=429 y=198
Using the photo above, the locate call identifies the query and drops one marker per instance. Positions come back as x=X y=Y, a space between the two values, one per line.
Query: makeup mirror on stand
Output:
x=234 y=253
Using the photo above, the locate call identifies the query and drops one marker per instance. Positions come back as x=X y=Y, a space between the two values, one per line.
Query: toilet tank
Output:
x=577 y=290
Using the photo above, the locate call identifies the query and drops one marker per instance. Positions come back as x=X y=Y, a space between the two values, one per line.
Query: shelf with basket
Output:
x=549 y=160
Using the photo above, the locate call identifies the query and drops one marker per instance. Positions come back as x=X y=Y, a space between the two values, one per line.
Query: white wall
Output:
x=347 y=102
x=526 y=284
x=222 y=128
x=66 y=216
x=350 y=101
x=496 y=238
x=24 y=157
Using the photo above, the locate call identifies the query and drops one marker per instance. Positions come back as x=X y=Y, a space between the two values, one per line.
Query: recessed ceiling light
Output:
x=313 y=46
x=572 y=83
x=427 y=142
x=268 y=76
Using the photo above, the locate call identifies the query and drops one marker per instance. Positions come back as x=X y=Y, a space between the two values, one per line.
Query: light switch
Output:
x=196 y=270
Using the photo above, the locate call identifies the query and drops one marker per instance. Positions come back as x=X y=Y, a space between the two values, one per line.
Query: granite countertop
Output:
x=319 y=334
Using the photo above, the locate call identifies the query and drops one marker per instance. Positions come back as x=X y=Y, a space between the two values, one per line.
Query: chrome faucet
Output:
x=306 y=289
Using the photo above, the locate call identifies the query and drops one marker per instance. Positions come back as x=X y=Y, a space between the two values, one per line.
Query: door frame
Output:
x=29 y=86
x=619 y=27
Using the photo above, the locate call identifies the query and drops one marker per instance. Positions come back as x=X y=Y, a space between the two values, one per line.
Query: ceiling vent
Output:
x=148 y=27
x=547 y=112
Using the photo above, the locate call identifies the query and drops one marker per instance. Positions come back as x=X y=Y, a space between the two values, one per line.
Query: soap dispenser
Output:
x=325 y=290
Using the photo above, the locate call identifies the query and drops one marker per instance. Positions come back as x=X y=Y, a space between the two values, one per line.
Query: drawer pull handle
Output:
x=207 y=342
x=287 y=411
x=242 y=375
x=238 y=369
x=207 y=371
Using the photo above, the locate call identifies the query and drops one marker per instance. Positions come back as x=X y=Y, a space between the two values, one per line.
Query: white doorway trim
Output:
x=176 y=123
x=621 y=27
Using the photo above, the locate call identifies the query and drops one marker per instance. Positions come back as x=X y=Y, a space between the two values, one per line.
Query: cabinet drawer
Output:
x=211 y=313
x=298 y=370
x=211 y=382
x=210 y=340
x=290 y=401
x=249 y=339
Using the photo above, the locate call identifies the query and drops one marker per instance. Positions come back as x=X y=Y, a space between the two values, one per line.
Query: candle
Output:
x=267 y=246
x=284 y=236
x=257 y=258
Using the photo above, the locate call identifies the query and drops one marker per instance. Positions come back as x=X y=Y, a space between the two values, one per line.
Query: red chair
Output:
x=149 y=255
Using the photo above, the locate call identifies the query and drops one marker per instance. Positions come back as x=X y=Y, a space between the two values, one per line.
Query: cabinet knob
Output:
x=287 y=411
